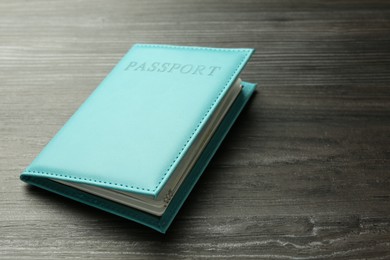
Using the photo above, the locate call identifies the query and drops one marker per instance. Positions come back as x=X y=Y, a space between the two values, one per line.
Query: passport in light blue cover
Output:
x=134 y=131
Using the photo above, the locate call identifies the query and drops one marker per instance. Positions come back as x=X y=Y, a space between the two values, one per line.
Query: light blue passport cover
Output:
x=134 y=129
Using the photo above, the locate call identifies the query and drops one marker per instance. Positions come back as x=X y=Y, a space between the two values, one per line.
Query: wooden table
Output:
x=304 y=173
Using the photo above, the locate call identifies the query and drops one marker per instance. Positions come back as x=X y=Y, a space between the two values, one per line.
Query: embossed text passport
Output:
x=139 y=143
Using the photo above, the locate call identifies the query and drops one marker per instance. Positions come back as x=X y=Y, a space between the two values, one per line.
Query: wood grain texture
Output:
x=304 y=173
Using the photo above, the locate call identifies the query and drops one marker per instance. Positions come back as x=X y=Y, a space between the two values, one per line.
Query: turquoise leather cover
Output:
x=136 y=126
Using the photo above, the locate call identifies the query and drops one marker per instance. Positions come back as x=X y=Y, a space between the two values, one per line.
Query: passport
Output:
x=139 y=143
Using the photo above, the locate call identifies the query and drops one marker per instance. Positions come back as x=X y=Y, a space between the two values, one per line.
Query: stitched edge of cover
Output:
x=248 y=53
x=99 y=202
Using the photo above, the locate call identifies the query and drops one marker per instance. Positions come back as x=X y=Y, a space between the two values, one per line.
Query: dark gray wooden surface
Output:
x=303 y=174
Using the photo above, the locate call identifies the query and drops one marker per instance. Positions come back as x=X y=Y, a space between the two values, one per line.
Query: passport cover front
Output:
x=133 y=130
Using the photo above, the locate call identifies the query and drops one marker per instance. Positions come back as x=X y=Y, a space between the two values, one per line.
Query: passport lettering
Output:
x=168 y=67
